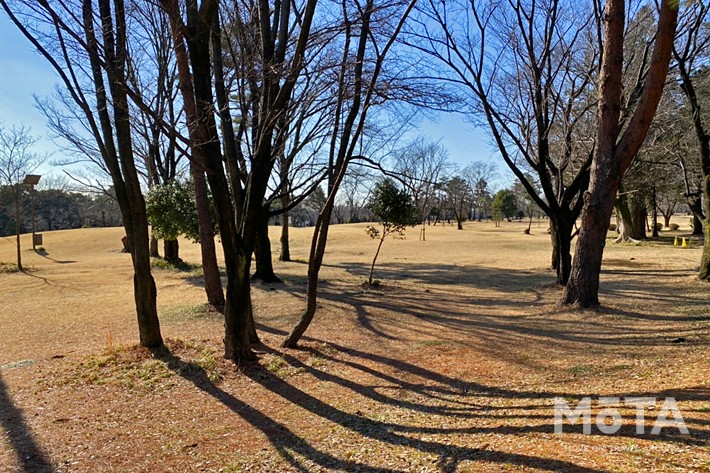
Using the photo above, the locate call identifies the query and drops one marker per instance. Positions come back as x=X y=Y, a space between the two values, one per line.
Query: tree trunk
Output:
x=238 y=311
x=262 y=253
x=582 y=288
x=171 y=248
x=612 y=158
x=654 y=203
x=561 y=235
x=704 y=273
x=154 y=247
x=285 y=253
x=196 y=88
x=632 y=217
x=638 y=216
x=374 y=260
x=315 y=261
x=697 y=225
x=210 y=269
x=667 y=219
x=18 y=226
x=128 y=190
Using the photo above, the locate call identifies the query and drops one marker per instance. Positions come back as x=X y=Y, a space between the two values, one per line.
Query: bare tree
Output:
x=358 y=90
x=96 y=65
x=614 y=150
x=422 y=167
x=17 y=159
x=478 y=175
x=690 y=54
x=238 y=193
x=526 y=71
x=356 y=190
x=459 y=196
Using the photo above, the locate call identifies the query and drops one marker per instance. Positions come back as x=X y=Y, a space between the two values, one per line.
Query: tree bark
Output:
x=208 y=252
x=697 y=225
x=262 y=253
x=194 y=72
x=131 y=198
x=154 y=247
x=561 y=235
x=638 y=217
x=611 y=159
x=171 y=248
x=632 y=217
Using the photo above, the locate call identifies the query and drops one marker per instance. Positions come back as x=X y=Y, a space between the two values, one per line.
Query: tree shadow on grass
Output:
x=45 y=254
x=480 y=277
x=488 y=322
x=29 y=454
x=284 y=440
x=289 y=445
x=435 y=384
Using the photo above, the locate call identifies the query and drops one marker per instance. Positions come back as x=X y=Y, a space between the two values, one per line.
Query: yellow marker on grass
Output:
x=685 y=243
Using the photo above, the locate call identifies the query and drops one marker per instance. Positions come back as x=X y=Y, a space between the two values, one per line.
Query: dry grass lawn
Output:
x=453 y=364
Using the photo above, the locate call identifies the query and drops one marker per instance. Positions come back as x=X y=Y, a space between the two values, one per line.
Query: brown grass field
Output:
x=454 y=364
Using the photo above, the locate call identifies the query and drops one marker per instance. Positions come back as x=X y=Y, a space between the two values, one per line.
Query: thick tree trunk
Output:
x=262 y=253
x=208 y=252
x=238 y=312
x=632 y=218
x=583 y=286
x=171 y=248
x=704 y=272
x=667 y=220
x=612 y=159
x=638 y=217
x=705 y=259
x=697 y=225
x=145 y=295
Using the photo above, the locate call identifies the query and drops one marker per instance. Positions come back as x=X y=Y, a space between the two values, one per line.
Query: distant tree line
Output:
x=56 y=209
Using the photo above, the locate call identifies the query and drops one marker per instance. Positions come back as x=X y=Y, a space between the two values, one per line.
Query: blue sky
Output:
x=24 y=73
